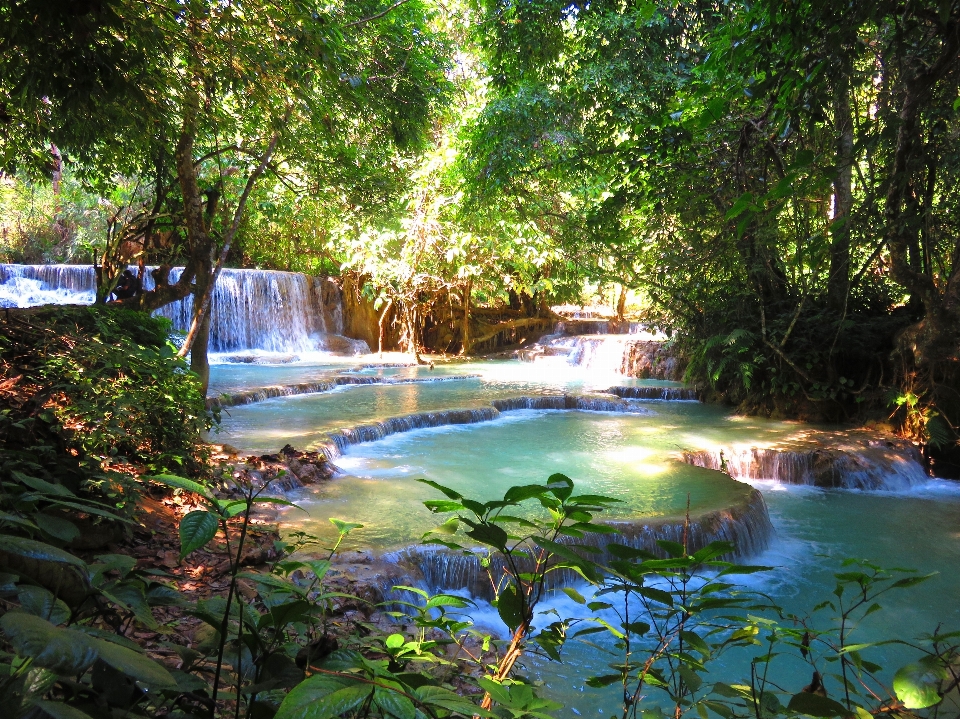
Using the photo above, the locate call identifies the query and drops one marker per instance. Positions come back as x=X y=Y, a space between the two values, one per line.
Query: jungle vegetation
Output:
x=774 y=180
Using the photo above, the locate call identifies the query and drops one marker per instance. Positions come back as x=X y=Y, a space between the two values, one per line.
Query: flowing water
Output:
x=259 y=313
x=905 y=520
x=884 y=510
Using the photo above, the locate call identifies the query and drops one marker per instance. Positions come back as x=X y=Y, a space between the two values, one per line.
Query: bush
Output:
x=94 y=396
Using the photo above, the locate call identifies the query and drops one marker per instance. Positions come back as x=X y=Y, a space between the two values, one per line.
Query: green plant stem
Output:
x=224 y=625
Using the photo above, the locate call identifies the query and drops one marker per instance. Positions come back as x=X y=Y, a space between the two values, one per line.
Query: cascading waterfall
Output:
x=635 y=354
x=285 y=312
x=747 y=526
x=575 y=326
x=30 y=285
x=672 y=394
x=603 y=355
x=874 y=466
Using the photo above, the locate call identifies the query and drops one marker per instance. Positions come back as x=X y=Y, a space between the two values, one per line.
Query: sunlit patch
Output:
x=629 y=455
x=650 y=469
x=657 y=429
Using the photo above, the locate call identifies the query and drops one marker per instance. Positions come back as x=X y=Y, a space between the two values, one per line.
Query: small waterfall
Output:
x=30 y=285
x=574 y=326
x=603 y=355
x=270 y=311
x=266 y=310
x=567 y=402
x=875 y=466
x=261 y=394
x=634 y=355
x=337 y=442
x=662 y=393
x=435 y=569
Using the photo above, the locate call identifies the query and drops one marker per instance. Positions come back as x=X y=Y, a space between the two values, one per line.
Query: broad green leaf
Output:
x=394 y=704
x=32 y=549
x=911 y=581
x=446 y=490
x=448 y=600
x=510 y=608
x=64 y=651
x=323 y=697
x=345 y=527
x=59 y=710
x=816 y=705
x=489 y=534
x=690 y=678
x=145 y=670
x=449 y=527
x=57 y=527
x=604 y=680
x=917 y=685
x=41 y=603
x=172 y=480
x=196 y=529
x=439 y=506
x=528 y=491
x=446 y=699
x=41 y=485
x=560 y=485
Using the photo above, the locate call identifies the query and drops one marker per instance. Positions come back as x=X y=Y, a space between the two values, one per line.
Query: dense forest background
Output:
x=774 y=182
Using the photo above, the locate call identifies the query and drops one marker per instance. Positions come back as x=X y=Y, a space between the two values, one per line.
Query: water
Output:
x=304 y=420
x=635 y=458
x=624 y=456
x=260 y=314
x=815 y=530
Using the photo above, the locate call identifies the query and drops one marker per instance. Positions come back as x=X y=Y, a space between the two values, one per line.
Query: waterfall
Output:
x=747 y=526
x=662 y=393
x=30 y=285
x=568 y=402
x=636 y=355
x=603 y=355
x=877 y=465
x=264 y=310
x=575 y=326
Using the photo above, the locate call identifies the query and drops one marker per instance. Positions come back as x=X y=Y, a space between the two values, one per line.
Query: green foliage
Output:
x=98 y=392
x=747 y=166
x=678 y=611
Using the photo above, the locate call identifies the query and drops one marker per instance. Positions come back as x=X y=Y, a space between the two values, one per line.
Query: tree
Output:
x=213 y=97
x=773 y=175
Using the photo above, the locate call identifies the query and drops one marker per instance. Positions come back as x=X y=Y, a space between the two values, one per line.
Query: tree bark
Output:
x=838 y=284
x=466 y=343
x=382 y=326
x=203 y=296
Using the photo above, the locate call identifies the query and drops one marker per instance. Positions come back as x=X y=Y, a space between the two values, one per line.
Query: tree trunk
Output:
x=838 y=285
x=466 y=343
x=383 y=326
x=622 y=304
x=199 y=360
